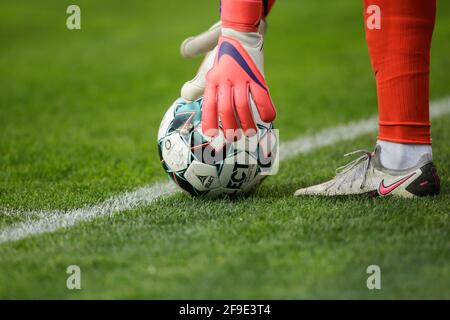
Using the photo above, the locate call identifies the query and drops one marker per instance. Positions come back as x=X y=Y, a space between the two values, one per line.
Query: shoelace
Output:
x=366 y=157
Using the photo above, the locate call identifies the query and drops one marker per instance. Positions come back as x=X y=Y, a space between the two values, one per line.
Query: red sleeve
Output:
x=242 y=15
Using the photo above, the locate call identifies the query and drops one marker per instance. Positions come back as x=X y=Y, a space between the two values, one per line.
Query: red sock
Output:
x=398 y=34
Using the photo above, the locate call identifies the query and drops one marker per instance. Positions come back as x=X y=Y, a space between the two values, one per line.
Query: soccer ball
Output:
x=213 y=167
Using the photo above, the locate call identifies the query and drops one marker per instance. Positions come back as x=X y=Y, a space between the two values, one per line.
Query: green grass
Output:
x=79 y=111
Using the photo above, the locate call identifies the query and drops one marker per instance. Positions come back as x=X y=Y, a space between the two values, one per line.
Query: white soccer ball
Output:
x=213 y=167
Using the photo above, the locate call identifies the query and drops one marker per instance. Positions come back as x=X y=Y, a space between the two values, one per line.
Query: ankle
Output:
x=399 y=156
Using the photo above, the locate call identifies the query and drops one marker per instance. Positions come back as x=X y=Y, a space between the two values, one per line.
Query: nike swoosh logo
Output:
x=227 y=48
x=385 y=190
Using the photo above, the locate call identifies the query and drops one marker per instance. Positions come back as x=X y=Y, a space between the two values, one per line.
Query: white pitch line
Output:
x=54 y=220
x=40 y=221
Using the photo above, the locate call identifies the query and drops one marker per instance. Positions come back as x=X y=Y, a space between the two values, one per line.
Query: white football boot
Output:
x=366 y=175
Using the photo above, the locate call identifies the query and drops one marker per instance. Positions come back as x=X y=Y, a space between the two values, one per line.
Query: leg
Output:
x=398 y=35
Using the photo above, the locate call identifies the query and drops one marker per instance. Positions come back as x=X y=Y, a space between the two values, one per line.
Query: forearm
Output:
x=244 y=15
x=267 y=6
x=241 y=15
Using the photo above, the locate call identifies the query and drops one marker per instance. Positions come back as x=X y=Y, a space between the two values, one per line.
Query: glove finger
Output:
x=226 y=111
x=263 y=102
x=243 y=109
x=201 y=43
x=209 y=111
x=193 y=89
